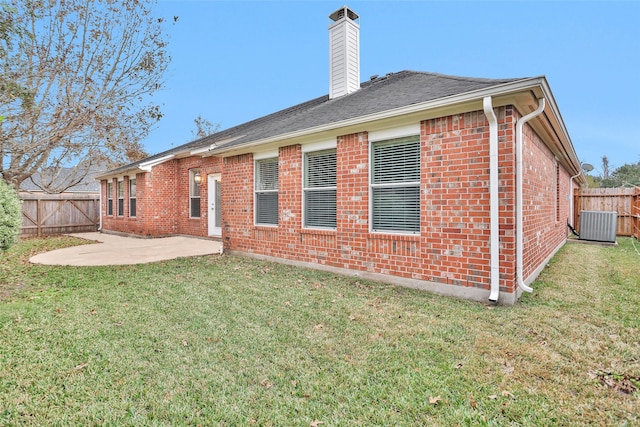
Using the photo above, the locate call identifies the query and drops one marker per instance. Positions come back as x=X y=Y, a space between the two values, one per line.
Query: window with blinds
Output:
x=120 y=198
x=132 y=197
x=320 y=189
x=194 y=193
x=395 y=185
x=109 y=198
x=266 y=191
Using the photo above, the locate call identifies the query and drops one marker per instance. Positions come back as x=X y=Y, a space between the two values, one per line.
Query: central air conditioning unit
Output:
x=598 y=226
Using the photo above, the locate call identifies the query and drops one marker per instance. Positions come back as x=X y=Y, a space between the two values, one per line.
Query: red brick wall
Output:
x=546 y=203
x=237 y=202
x=456 y=209
x=162 y=206
x=453 y=247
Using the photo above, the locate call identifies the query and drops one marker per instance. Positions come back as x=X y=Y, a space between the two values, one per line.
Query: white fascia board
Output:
x=147 y=166
x=202 y=150
x=269 y=154
x=319 y=146
x=560 y=123
x=206 y=151
x=395 y=132
x=501 y=90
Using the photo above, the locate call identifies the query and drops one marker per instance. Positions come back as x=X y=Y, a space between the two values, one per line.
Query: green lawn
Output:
x=222 y=340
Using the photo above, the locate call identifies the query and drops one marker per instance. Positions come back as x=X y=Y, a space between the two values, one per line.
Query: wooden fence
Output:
x=44 y=214
x=624 y=201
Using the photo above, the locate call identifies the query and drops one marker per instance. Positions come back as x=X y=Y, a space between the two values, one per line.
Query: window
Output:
x=267 y=191
x=320 y=189
x=120 y=198
x=395 y=185
x=194 y=193
x=132 y=197
x=110 y=198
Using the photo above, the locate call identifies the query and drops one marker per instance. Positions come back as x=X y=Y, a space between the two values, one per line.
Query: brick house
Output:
x=455 y=185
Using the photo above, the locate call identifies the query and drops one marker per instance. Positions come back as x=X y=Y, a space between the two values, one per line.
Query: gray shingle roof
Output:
x=63 y=178
x=377 y=95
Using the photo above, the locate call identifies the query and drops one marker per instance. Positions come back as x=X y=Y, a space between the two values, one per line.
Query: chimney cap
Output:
x=340 y=14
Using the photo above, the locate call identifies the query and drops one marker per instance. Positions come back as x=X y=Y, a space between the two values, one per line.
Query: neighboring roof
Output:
x=389 y=92
x=88 y=184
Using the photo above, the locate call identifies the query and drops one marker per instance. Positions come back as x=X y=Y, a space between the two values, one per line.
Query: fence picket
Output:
x=45 y=214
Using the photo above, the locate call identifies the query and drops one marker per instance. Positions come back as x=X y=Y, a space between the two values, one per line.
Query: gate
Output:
x=44 y=214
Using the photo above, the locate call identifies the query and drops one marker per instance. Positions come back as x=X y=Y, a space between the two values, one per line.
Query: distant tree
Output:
x=204 y=127
x=10 y=216
x=626 y=175
x=623 y=176
x=86 y=75
x=592 y=181
x=605 y=167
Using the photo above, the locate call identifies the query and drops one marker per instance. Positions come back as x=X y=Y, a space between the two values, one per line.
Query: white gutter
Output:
x=494 y=201
x=519 y=199
x=204 y=150
x=147 y=166
x=499 y=90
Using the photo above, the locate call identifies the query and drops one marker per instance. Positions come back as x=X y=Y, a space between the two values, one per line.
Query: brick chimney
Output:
x=344 y=52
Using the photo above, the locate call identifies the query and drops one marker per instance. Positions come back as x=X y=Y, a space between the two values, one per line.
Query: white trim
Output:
x=212 y=207
x=256 y=191
x=207 y=150
x=118 y=214
x=192 y=181
x=134 y=197
x=147 y=166
x=265 y=155
x=320 y=146
x=371 y=185
x=395 y=132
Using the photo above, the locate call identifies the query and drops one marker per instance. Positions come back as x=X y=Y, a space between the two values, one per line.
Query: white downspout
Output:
x=494 y=200
x=519 y=201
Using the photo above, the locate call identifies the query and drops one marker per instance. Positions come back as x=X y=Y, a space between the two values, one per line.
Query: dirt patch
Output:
x=623 y=383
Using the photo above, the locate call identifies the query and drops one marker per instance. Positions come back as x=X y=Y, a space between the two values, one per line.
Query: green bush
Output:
x=10 y=216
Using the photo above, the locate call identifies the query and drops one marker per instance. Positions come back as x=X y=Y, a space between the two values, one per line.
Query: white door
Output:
x=215 y=199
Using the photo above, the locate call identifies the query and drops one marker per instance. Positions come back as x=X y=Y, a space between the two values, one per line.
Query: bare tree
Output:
x=204 y=127
x=605 y=167
x=86 y=74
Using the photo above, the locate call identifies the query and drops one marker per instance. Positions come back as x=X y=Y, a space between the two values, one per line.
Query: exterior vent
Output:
x=598 y=226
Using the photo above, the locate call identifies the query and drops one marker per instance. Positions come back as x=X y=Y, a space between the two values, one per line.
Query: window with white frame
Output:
x=194 y=193
x=320 y=189
x=395 y=185
x=110 y=198
x=266 y=192
x=120 y=198
x=132 y=197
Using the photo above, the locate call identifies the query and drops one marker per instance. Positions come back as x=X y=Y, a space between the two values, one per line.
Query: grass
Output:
x=230 y=341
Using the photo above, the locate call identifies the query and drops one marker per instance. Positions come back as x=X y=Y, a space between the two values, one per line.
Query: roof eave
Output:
x=536 y=85
x=503 y=89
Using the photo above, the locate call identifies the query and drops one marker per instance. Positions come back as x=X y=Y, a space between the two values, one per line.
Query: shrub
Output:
x=10 y=216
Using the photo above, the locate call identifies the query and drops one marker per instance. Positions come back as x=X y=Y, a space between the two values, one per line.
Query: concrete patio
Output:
x=110 y=249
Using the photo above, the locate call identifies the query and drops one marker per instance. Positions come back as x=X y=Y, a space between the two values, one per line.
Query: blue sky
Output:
x=234 y=61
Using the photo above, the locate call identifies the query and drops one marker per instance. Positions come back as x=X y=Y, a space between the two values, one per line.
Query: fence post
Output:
x=39 y=217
